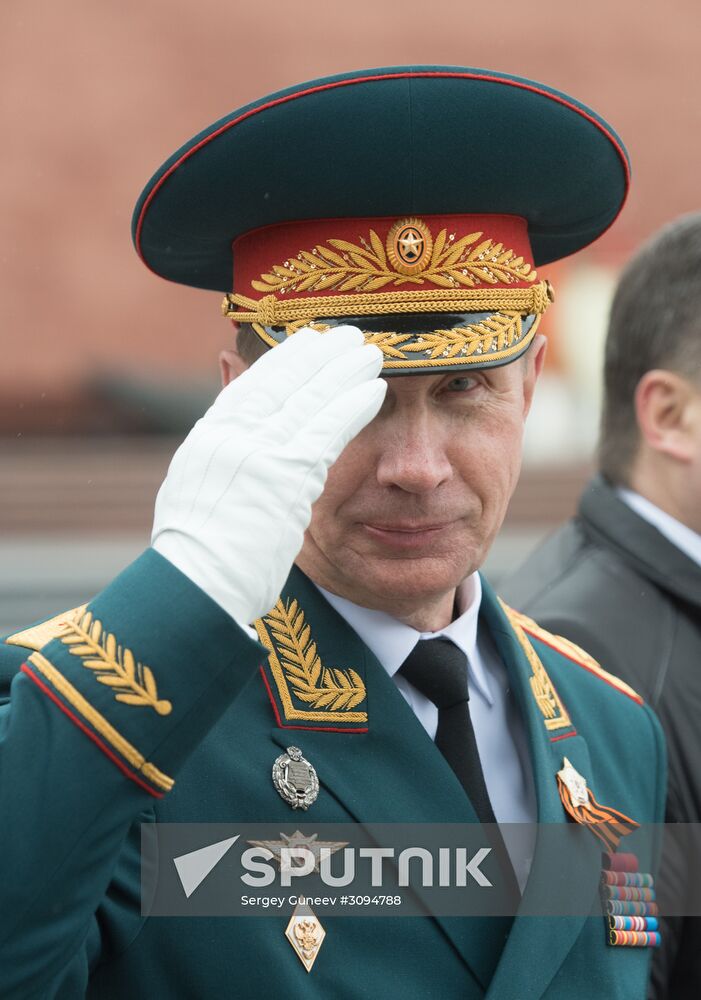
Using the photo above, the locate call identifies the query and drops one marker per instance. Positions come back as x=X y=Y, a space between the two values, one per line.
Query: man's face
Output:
x=412 y=505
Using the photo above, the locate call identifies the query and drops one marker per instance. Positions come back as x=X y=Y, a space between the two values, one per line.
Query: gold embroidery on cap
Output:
x=409 y=245
x=472 y=275
x=299 y=673
x=496 y=337
x=272 y=311
x=450 y=263
x=496 y=333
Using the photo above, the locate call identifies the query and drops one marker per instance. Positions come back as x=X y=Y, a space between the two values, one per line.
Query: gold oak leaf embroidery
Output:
x=364 y=267
x=496 y=333
x=553 y=711
x=543 y=695
x=133 y=683
x=493 y=334
x=314 y=684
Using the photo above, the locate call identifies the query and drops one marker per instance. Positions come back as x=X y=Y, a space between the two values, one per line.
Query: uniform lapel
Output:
x=551 y=938
x=389 y=770
x=393 y=772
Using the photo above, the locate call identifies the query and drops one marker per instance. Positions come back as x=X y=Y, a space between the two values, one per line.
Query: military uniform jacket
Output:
x=613 y=583
x=187 y=732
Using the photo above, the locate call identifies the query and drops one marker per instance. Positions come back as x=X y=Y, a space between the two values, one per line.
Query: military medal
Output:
x=575 y=784
x=627 y=895
x=305 y=934
x=295 y=779
x=608 y=824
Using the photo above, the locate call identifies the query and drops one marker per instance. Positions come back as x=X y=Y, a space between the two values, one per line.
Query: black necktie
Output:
x=438 y=670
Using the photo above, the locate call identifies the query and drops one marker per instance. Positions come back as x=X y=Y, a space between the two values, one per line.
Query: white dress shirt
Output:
x=674 y=531
x=496 y=719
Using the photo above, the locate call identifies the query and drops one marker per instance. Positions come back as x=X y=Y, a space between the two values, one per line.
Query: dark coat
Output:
x=612 y=583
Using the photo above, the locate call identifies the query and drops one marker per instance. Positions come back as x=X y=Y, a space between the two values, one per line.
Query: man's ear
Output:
x=231 y=365
x=664 y=402
x=534 y=361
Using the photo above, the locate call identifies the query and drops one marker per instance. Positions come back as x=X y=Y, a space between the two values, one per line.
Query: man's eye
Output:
x=462 y=384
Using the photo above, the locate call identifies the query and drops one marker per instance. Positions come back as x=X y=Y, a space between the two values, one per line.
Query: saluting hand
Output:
x=233 y=508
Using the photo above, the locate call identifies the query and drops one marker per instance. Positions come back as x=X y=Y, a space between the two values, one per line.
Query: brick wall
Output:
x=95 y=95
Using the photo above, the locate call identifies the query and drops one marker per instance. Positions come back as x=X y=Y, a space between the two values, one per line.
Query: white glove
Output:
x=232 y=511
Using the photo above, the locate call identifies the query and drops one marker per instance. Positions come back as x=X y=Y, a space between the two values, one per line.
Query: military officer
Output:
x=313 y=577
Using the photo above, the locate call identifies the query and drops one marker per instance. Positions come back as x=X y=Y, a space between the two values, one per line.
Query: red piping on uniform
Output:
x=88 y=732
x=633 y=696
x=309 y=729
x=370 y=79
x=564 y=736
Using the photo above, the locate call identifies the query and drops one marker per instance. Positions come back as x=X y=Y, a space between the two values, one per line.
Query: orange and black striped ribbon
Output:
x=608 y=824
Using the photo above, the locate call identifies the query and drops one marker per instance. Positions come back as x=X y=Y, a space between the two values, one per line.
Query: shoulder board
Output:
x=573 y=652
x=37 y=636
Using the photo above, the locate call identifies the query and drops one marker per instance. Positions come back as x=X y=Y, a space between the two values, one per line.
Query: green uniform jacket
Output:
x=154 y=688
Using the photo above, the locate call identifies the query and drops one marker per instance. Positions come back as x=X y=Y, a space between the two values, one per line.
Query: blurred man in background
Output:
x=623 y=577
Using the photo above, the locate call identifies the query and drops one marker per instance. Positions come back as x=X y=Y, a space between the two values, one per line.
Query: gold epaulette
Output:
x=37 y=636
x=572 y=651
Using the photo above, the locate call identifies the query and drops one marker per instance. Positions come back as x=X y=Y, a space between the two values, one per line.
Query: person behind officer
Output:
x=623 y=577
x=340 y=495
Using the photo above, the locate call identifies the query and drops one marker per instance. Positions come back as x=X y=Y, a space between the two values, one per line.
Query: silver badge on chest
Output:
x=295 y=779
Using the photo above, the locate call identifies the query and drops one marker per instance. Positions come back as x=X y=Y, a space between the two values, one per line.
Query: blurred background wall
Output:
x=103 y=366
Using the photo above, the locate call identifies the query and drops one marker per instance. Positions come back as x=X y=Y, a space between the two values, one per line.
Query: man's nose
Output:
x=414 y=459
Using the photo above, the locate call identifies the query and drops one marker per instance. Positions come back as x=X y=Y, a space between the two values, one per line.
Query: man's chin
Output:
x=389 y=584
x=391 y=581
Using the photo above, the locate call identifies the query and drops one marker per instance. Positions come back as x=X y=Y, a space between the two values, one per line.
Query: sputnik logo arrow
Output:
x=193 y=868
